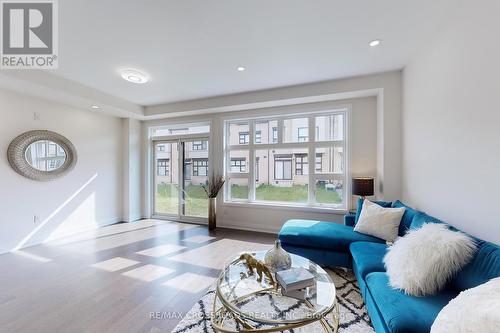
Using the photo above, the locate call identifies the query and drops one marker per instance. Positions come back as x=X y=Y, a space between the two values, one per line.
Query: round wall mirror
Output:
x=45 y=155
x=41 y=155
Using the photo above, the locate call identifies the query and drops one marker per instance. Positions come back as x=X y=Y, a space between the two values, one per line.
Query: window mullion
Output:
x=251 y=167
x=311 y=158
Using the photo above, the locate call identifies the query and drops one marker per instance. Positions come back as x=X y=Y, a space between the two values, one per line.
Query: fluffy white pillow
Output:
x=378 y=221
x=421 y=262
x=473 y=310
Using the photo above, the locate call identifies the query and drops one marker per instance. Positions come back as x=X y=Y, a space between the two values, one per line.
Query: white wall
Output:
x=132 y=177
x=87 y=197
x=270 y=219
x=451 y=123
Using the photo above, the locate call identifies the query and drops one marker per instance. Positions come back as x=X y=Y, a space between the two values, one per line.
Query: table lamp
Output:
x=362 y=186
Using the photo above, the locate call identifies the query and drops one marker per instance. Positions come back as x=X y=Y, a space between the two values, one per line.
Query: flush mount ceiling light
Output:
x=375 y=42
x=134 y=76
x=240 y=68
x=95 y=107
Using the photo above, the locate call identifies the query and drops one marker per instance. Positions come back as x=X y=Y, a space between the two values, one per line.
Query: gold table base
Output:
x=225 y=311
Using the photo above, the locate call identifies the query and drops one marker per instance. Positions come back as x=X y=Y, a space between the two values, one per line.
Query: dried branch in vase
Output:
x=215 y=183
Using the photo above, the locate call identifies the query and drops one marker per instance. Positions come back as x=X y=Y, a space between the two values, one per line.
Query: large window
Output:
x=269 y=162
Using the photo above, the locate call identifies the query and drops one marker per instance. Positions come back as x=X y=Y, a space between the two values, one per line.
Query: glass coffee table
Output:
x=242 y=304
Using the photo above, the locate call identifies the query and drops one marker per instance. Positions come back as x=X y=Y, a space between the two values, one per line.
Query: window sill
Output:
x=281 y=206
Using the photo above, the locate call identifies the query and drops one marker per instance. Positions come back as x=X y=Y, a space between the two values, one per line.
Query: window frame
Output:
x=278 y=143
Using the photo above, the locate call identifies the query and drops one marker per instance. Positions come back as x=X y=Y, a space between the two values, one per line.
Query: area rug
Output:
x=353 y=315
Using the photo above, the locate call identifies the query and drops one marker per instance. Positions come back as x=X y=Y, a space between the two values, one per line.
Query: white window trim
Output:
x=311 y=205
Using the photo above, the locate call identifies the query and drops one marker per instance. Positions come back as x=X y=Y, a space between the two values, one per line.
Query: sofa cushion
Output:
x=421 y=218
x=385 y=204
x=405 y=313
x=407 y=218
x=484 y=266
x=325 y=235
x=368 y=257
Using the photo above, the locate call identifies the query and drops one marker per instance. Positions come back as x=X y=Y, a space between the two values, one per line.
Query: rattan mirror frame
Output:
x=17 y=159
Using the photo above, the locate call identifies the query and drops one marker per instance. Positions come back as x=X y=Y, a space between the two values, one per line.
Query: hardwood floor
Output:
x=114 y=278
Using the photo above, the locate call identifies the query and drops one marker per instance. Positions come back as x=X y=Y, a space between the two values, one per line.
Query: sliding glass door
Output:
x=180 y=170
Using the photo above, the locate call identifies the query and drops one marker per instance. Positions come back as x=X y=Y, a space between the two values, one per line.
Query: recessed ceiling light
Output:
x=375 y=42
x=241 y=68
x=134 y=76
x=95 y=107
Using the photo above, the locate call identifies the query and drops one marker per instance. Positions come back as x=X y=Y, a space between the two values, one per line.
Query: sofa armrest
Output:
x=349 y=219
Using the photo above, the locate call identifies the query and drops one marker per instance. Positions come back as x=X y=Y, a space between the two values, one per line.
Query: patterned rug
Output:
x=353 y=316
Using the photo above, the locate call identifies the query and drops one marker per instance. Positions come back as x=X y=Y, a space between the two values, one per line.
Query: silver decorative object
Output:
x=277 y=259
x=16 y=154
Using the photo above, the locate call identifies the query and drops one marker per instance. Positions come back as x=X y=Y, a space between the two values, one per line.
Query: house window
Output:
x=244 y=138
x=283 y=167
x=280 y=150
x=238 y=165
x=301 y=164
x=200 y=145
x=302 y=134
x=163 y=167
x=200 y=167
x=319 y=162
x=275 y=134
x=258 y=136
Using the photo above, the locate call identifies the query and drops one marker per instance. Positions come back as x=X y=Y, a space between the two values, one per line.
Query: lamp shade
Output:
x=362 y=186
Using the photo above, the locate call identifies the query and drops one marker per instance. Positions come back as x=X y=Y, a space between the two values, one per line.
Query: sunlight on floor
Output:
x=115 y=264
x=190 y=282
x=148 y=273
x=124 y=238
x=218 y=251
x=162 y=250
x=32 y=256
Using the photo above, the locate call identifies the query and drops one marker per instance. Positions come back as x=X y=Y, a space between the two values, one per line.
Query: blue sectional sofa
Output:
x=391 y=310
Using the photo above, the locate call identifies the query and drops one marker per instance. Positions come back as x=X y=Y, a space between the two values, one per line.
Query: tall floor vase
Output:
x=212 y=214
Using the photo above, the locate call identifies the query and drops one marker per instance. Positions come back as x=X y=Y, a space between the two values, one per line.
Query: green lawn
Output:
x=296 y=193
x=167 y=200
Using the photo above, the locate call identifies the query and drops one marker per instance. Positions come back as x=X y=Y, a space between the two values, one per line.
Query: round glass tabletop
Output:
x=261 y=302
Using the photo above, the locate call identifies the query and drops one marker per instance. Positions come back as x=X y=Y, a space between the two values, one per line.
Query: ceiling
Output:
x=191 y=49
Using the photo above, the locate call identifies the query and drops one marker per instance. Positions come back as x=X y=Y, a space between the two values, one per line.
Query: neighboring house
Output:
x=285 y=167
x=195 y=165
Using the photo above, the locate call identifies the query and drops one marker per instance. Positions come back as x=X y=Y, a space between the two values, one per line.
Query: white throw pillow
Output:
x=421 y=262
x=378 y=221
x=473 y=310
